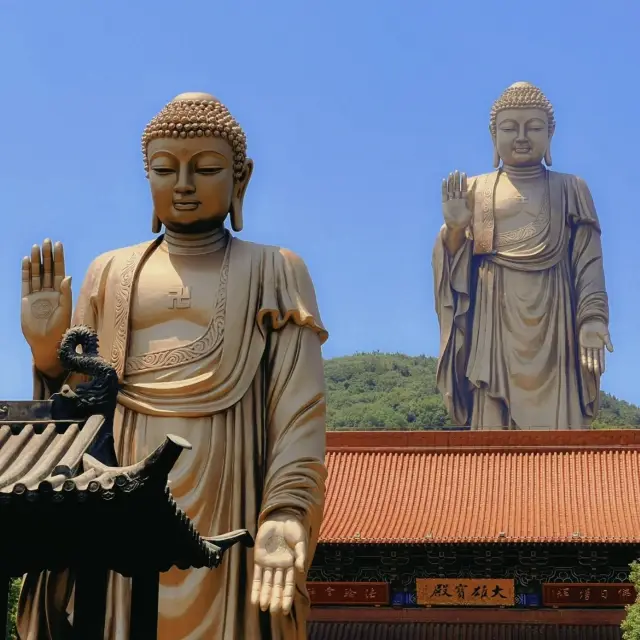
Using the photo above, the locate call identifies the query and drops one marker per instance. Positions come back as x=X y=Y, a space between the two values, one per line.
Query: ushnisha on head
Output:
x=195 y=157
x=522 y=124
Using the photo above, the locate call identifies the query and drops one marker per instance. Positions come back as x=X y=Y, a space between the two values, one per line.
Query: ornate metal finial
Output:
x=96 y=397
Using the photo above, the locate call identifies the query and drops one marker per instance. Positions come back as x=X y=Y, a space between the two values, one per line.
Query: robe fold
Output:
x=249 y=395
x=510 y=313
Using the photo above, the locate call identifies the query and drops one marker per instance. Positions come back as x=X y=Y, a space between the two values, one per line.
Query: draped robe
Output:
x=510 y=313
x=249 y=395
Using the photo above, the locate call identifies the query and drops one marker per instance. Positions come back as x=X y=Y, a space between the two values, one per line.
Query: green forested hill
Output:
x=370 y=391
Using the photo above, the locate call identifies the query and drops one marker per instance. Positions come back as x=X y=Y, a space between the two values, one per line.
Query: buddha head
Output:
x=195 y=158
x=522 y=125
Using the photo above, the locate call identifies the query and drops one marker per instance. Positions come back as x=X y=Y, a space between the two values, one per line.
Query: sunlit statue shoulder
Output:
x=519 y=283
x=216 y=340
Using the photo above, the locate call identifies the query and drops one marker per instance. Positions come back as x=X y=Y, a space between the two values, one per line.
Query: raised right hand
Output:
x=455 y=205
x=46 y=304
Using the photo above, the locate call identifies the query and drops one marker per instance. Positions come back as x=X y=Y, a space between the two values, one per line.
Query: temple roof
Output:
x=59 y=504
x=483 y=486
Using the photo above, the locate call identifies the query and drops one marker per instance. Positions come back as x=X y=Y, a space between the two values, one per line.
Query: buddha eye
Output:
x=163 y=171
x=208 y=171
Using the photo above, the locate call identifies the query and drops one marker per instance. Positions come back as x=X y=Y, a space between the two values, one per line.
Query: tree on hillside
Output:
x=12 y=609
x=631 y=624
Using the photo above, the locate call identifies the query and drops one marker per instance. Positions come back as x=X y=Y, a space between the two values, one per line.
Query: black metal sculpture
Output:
x=95 y=397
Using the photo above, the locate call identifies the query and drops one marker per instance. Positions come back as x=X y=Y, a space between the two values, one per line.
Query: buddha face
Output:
x=192 y=182
x=522 y=136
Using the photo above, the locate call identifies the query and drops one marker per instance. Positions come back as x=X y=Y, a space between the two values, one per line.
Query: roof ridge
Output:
x=508 y=440
x=474 y=450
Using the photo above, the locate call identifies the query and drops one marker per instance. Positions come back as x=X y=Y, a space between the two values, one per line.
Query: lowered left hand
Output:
x=593 y=338
x=280 y=550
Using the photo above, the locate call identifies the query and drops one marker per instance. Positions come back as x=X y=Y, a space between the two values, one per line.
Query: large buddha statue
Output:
x=519 y=283
x=216 y=340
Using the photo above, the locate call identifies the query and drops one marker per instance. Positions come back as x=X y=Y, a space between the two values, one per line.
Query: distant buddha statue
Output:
x=519 y=283
x=216 y=340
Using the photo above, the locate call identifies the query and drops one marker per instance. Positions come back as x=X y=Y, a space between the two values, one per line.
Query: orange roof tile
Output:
x=487 y=486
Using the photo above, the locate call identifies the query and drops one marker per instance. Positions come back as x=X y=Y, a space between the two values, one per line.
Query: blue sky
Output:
x=354 y=111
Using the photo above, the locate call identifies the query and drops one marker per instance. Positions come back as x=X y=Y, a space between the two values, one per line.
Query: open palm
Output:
x=594 y=338
x=280 y=550
x=456 y=208
x=46 y=300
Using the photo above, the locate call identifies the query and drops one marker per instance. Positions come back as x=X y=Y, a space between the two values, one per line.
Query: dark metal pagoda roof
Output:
x=66 y=504
x=58 y=502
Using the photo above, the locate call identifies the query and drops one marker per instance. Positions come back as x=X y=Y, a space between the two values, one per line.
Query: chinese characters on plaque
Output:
x=356 y=593
x=587 y=595
x=472 y=593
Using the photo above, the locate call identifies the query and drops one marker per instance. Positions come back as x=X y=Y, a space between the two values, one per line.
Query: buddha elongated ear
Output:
x=237 y=198
x=156 y=225
x=547 y=155
x=496 y=155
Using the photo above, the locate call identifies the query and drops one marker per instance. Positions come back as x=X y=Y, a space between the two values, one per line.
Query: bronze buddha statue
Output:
x=519 y=283
x=216 y=340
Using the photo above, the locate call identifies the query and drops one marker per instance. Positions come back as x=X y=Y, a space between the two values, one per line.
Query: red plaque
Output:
x=593 y=594
x=357 y=593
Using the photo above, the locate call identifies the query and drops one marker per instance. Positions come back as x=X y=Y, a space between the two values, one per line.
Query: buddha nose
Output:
x=185 y=181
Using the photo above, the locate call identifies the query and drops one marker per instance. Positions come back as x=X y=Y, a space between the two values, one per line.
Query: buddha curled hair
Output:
x=522 y=95
x=203 y=115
